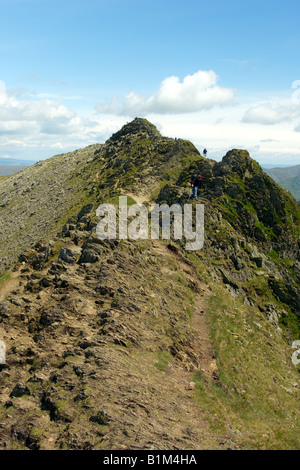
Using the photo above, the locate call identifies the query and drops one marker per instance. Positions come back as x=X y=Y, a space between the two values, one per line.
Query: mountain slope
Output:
x=123 y=344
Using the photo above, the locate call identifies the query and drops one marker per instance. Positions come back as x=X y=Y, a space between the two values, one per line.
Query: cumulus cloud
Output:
x=49 y=116
x=25 y=114
x=28 y=121
x=269 y=113
x=195 y=93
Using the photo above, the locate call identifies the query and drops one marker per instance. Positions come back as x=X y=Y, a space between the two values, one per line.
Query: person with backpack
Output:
x=196 y=182
x=205 y=152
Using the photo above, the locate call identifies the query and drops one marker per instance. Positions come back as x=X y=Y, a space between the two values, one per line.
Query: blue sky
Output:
x=223 y=74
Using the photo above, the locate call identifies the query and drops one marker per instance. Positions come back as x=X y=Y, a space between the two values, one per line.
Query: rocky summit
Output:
x=141 y=344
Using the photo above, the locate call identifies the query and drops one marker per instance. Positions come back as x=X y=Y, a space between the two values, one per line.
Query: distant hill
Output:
x=15 y=161
x=9 y=166
x=6 y=170
x=288 y=178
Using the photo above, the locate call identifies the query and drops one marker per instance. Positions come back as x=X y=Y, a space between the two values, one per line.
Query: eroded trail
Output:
x=11 y=284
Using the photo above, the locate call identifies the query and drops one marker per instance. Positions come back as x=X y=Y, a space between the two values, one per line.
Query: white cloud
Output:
x=195 y=93
x=281 y=150
x=270 y=112
x=21 y=113
x=35 y=126
x=30 y=122
x=48 y=115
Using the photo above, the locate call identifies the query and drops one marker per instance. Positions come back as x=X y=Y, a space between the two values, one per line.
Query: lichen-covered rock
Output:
x=4 y=310
x=67 y=255
x=19 y=390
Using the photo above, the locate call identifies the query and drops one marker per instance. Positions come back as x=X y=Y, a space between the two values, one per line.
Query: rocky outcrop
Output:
x=251 y=229
x=137 y=127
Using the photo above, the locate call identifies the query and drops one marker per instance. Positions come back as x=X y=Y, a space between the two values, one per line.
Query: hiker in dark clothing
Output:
x=196 y=182
x=205 y=152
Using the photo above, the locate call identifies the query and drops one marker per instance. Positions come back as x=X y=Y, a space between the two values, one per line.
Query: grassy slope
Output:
x=259 y=392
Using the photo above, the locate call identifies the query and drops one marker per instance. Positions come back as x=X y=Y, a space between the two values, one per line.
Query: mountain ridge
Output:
x=139 y=344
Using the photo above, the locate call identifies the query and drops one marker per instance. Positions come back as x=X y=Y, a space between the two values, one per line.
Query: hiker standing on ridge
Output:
x=196 y=182
x=204 y=152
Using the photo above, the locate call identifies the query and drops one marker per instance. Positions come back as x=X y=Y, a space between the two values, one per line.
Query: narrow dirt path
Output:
x=8 y=286
x=202 y=348
x=140 y=198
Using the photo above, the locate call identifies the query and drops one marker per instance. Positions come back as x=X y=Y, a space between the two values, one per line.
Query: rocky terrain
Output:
x=123 y=344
